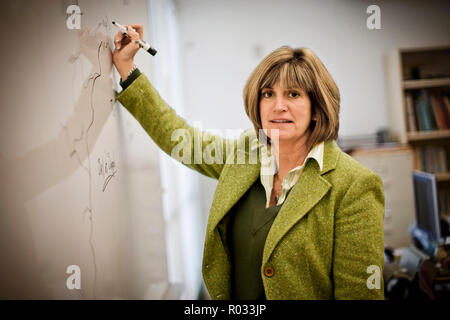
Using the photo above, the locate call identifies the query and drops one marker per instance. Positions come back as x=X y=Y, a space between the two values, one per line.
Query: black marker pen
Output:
x=144 y=45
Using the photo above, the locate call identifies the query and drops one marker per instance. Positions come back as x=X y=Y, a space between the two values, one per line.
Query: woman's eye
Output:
x=293 y=94
x=267 y=94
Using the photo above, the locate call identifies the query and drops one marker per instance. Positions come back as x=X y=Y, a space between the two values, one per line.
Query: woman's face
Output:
x=288 y=110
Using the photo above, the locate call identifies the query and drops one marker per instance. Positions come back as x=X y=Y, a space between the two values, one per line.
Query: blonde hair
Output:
x=297 y=68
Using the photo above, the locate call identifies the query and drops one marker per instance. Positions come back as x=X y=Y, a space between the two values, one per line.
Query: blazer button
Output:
x=268 y=272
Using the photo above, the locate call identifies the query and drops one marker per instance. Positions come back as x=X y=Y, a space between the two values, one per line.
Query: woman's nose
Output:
x=280 y=105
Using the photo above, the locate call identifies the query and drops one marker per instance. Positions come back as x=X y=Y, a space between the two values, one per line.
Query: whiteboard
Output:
x=80 y=181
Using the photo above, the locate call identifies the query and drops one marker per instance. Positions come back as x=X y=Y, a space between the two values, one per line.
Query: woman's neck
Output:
x=289 y=155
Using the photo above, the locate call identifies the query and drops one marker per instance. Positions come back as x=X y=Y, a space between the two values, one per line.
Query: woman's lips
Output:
x=281 y=122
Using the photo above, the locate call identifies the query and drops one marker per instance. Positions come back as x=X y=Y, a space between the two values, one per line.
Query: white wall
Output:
x=222 y=42
x=182 y=212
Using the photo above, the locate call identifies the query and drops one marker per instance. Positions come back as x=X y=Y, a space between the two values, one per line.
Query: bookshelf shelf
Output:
x=428 y=135
x=426 y=83
x=442 y=176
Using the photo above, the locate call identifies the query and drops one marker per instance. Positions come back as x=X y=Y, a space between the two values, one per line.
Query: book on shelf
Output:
x=446 y=103
x=422 y=111
x=409 y=101
x=440 y=114
x=433 y=159
x=427 y=110
x=443 y=202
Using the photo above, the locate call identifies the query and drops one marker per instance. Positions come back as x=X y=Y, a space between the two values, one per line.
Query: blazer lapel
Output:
x=306 y=193
x=238 y=178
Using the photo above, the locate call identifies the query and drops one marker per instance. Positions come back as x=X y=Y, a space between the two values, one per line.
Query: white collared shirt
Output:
x=269 y=168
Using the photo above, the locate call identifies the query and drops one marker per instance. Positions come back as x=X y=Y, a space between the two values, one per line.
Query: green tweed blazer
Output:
x=327 y=239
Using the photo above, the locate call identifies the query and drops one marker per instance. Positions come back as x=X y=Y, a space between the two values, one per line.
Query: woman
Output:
x=304 y=221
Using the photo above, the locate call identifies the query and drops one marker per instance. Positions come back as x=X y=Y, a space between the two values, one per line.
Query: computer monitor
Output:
x=427 y=213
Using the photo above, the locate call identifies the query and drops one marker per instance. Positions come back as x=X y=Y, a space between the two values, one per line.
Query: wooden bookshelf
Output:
x=426 y=83
x=428 y=135
x=443 y=176
x=418 y=91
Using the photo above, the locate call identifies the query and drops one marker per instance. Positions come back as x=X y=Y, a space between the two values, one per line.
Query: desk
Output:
x=414 y=275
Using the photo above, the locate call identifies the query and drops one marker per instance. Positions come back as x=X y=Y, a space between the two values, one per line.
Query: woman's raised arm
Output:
x=196 y=149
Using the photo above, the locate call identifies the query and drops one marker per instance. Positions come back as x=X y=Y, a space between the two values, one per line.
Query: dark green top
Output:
x=249 y=225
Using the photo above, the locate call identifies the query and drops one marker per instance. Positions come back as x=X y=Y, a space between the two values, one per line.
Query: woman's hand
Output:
x=126 y=49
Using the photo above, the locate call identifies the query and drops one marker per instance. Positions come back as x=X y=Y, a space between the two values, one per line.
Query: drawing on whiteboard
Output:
x=107 y=169
x=82 y=142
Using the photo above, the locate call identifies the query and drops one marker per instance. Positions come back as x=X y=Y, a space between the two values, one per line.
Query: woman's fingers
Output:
x=118 y=40
x=139 y=29
x=133 y=33
x=126 y=48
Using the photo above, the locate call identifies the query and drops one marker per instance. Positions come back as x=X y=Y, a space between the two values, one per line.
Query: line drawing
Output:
x=108 y=178
x=84 y=137
x=106 y=166
x=91 y=233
